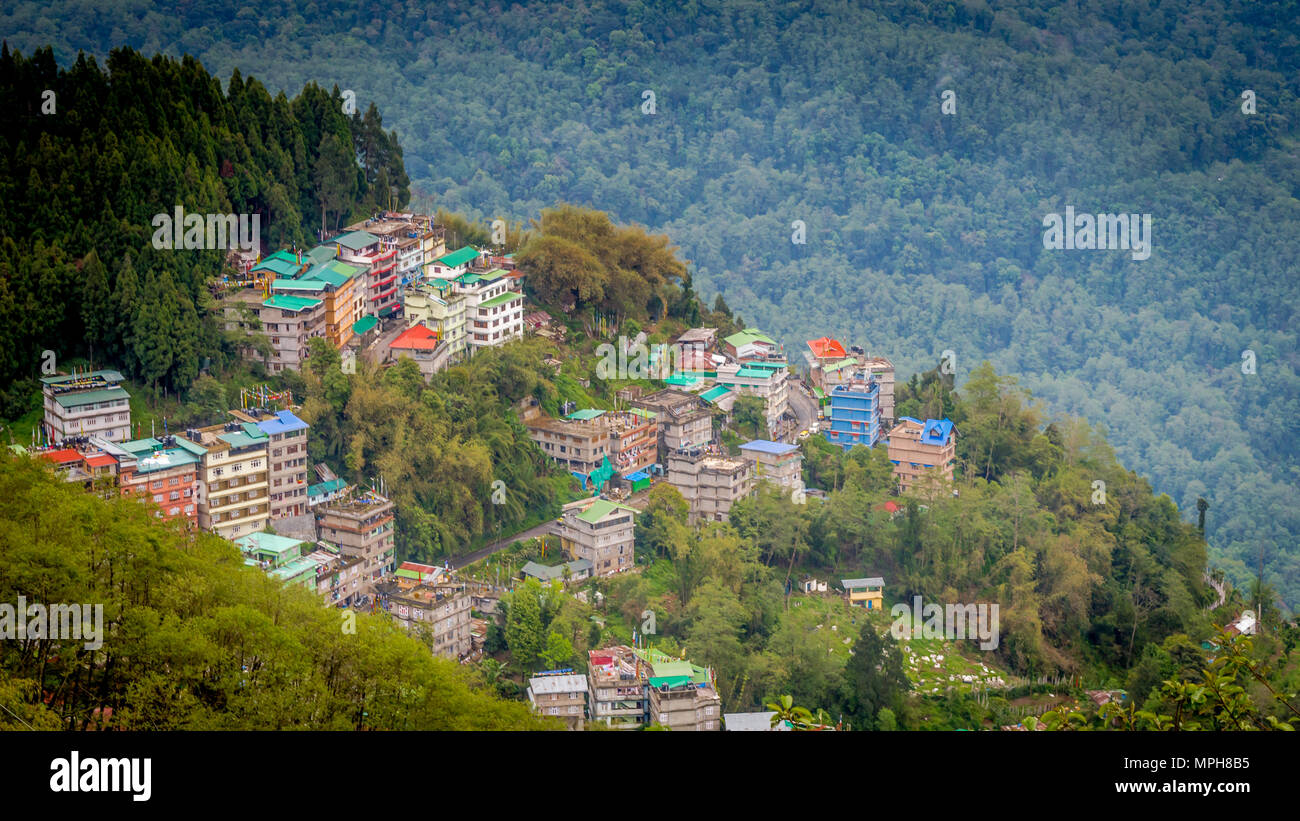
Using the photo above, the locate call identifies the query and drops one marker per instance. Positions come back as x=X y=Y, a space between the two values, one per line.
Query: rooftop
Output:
x=459 y=257
x=416 y=338
x=767 y=446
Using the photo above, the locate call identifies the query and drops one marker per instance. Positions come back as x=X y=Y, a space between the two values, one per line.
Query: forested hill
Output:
x=924 y=230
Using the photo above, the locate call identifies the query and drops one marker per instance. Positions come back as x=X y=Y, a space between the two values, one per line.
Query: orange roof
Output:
x=416 y=338
x=100 y=460
x=826 y=347
x=63 y=456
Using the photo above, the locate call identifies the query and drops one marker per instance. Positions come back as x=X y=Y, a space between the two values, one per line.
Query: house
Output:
x=579 y=569
x=698 y=338
x=752 y=344
x=338 y=577
x=600 y=531
x=438 y=307
x=287 y=457
x=616 y=680
x=494 y=307
x=87 y=404
x=451 y=265
x=753 y=722
x=682 y=695
x=855 y=413
x=282 y=558
x=438 y=609
x=325 y=491
x=868 y=593
x=233 y=484
x=376 y=262
x=423 y=346
x=775 y=462
x=922 y=453
x=563 y=696
x=287 y=321
x=361 y=525
x=684 y=420
x=767 y=381
x=710 y=484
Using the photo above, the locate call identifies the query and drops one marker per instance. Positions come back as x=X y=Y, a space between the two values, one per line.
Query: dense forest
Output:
x=923 y=230
x=193 y=639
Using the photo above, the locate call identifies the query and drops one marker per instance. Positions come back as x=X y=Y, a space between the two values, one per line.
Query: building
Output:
x=165 y=470
x=376 y=262
x=855 y=414
x=580 y=441
x=766 y=381
x=578 y=569
x=752 y=344
x=286 y=321
x=282 y=558
x=437 y=609
x=601 y=532
x=616 y=688
x=453 y=264
x=362 y=526
x=340 y=285
x=562 y=696
x=775 y=462
x=753 y=722
x=438 y=307
x=868 y=593
x=414 y=238
x=683 y=418
x=494 y=307
x=922 y=453
x=234 y=488
x=326 y=491
x=710 y=484
x=825 y=375
x=698 y=338
x=682 y=695
x=86 y=404
x=338 y=577
x=421 y=345
x=287 y=456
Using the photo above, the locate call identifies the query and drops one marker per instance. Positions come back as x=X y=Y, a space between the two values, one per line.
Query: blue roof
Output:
x=284 y=422
x=936 y=432
x=766 y=446
x=910 y=419
x=638 y=476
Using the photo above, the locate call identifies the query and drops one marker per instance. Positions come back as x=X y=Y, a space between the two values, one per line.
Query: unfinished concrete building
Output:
x=709 y=483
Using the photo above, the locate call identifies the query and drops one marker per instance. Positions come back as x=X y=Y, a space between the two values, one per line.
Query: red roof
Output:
x=826 y=347
x=100 y=460
x=416 y=338
x=891 y=507
x=63 y=456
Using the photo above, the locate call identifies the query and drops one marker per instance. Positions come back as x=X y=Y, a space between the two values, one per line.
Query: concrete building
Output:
x=753 y=722
x=710 y=484
x=281 y=557
x=362 y=526
x=437 y=609
x=580 y=442
x=684 y=420
x=753 y=345
x=414 y=238
x=452 y=264
x=839 y=371
x=340 y=285
x=855 y=413
x=421 y=345
x=923 y=454
x=338 y=577
x=437 y=306
x=287 y=456
x=233 y=493
x=286 y=321
x=600 y=531
x=682 y=695
x=616 y=681
x=775 y=462
x=165 y=470
x=578 y=570
x=494 y=307
x=86 y=404
x=377 y=262
x=562 y=696
x=768 y=383
x=868 y=593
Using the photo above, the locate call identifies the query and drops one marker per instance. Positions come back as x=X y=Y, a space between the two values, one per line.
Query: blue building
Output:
x=855 y=413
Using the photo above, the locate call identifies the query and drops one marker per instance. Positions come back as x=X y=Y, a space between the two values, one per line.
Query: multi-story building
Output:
x=682 y=695
x=829 y=374
x=287 y=455
x=684 y=421
x=494 y=307
x=752 y=344
x=768 y=383
x=562 y=696
x=580 y=441
x=361 y=525
x=86 y=404
x=340 y=285
x=338 y=577
x=281 y=557
x=233 y=491
x=414 y=237
x=710 y=484
x=616 y=681
x=923 y=453
x=775 y=462
x=286 y=321
x=165 y=470
x=423 y=346
x=600 y=531
x=453 y=264
x=439 y=609
x=855 y=413
x=437 y=306
x=378 y=265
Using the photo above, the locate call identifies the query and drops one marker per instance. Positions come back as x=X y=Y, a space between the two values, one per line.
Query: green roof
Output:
x=601 y=508
x=296 y=569
x=364 y=324
x=715 y=393
x=322 y=253
x=242 y=440
x=459 y=257
x=76 y=400
x=356 y=240
x=747 y=336
x=108 y=376
x=493 y=275
x=586 y=414
x=281 y=267
x=333 y=272
x=325 y=487
x=267 y=543
x=681 y=380
x=498 y=300
x=643 y=413
x=298 y=285
x=285 y=302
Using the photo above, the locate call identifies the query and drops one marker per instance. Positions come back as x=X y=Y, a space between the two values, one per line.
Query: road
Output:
x=483 y=552
x=804 y=407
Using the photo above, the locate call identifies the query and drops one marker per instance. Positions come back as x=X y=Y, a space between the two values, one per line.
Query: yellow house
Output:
x=868 y=593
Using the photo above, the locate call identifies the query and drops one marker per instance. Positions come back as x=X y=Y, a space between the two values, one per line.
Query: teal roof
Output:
x=305 y=284
x=356 y=240
x=322 y=253
x=364 y=324
x=284 y=302
x=280 y=267
x=601 y=508
x=747 y=336
x=296 y=569
x=584 y=415
x=267 y=543
x=76 y=400
x=244 y=439
x=503 y=298
x=680 y=380
x=459 y=257
x=108 y=376
x=322 y=488
x=715 y=393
